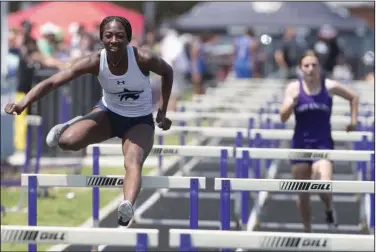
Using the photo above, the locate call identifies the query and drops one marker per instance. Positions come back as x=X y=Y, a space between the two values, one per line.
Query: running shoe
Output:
x=125 y=213
x=55 y=133
x=331 y=219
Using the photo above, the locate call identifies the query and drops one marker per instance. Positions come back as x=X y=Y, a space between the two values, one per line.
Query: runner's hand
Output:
x=162 y=121
x=14 y=108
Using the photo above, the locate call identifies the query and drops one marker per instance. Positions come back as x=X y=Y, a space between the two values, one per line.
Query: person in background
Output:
x=172 y=51
x=327 y=49
x=47 y=43
x=86 y=47
x=245 y=47
x=287 y=54
x=29 y=56
x=199 y=65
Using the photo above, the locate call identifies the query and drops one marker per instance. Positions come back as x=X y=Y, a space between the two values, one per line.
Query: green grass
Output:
x=58 y=209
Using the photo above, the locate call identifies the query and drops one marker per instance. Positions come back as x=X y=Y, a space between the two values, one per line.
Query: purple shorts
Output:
x=327 y=145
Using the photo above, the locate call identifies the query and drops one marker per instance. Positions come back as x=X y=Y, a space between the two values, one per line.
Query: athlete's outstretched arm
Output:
x=289 y=101
x=83 y=66
x=336 y=88
x=159 y=66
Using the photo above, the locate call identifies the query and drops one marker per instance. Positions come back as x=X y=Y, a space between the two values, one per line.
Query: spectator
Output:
x=86 y=47
x=47 y=43
x=327 y=49
x=288 y=53
x=245 y=49
x=172 y=51
x=29 y=56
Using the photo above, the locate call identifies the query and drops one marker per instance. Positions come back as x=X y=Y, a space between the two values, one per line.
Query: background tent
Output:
x=63 y=14
x=220 y=16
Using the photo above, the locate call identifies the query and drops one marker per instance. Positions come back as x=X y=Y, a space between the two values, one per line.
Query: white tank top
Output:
x=128 y=95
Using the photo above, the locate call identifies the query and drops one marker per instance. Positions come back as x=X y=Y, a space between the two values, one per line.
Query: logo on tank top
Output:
x=121 y=82
x=312 y=106
x=128 y=94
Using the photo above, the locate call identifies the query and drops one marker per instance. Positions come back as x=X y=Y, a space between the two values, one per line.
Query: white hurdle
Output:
x=294 y=185
x=186 y=239
x=337 y=121
x=268 y=134
x=261 y=153
x=139 y=238
x=147 y=182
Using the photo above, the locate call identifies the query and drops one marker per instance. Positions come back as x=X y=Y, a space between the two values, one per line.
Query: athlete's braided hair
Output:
x=123 y=21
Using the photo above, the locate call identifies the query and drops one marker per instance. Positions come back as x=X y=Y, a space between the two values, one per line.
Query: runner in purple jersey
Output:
x=310 y=99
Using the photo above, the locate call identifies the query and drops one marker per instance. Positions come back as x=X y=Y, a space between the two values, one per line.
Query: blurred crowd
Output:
x=198 y=60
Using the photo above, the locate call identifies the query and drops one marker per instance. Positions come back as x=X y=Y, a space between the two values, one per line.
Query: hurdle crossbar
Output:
x=151 y=182
x=268 y=134
x=186 y=116
x=261 y=153
x=76 y=235
x=292 y=185
x=271 y=240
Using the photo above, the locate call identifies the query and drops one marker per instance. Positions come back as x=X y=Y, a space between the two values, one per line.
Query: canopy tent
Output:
x=225 y=15
x=63 y=14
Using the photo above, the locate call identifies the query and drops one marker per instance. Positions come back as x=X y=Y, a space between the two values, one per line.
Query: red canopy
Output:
x=63 y=14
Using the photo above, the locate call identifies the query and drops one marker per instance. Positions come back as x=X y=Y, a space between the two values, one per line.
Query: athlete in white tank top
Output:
x=125 y=110
x=128 y=95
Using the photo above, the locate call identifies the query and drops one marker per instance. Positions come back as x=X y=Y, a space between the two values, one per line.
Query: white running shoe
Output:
x=54 y=134
x=125 y=213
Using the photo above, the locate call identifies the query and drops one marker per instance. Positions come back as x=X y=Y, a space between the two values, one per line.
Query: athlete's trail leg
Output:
x=303 y=171
x=323 y=170
x=92 y=128
x=137 y=143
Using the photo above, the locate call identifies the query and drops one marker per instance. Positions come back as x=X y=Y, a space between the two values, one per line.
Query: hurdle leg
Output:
x=225 y=203
x=142 y=243
x=245 y=194
x=95 y=193
x=32 y=207
x=238 y=174
x=193 y=206
x=185 y=243
x=223 y=163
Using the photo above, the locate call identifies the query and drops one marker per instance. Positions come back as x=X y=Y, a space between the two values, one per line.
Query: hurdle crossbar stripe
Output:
x=268 y=134
x=291 y=185
x=75 y=235
x=151 y=182
x=262 y=153
x=273 y=240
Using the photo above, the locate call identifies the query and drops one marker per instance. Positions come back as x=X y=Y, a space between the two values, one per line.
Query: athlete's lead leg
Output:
x=137 y=143
x=92 y=128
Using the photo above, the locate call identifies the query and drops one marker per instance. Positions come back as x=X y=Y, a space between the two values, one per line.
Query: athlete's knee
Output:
x=133 y=168
x=69 y=141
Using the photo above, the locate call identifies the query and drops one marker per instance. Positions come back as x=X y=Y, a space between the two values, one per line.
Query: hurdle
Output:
x=186 y=239
x=270 y=107
x=244 y=156
x=33 y=181
x=141 y=239
x=226 y=185
x=269 y=134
